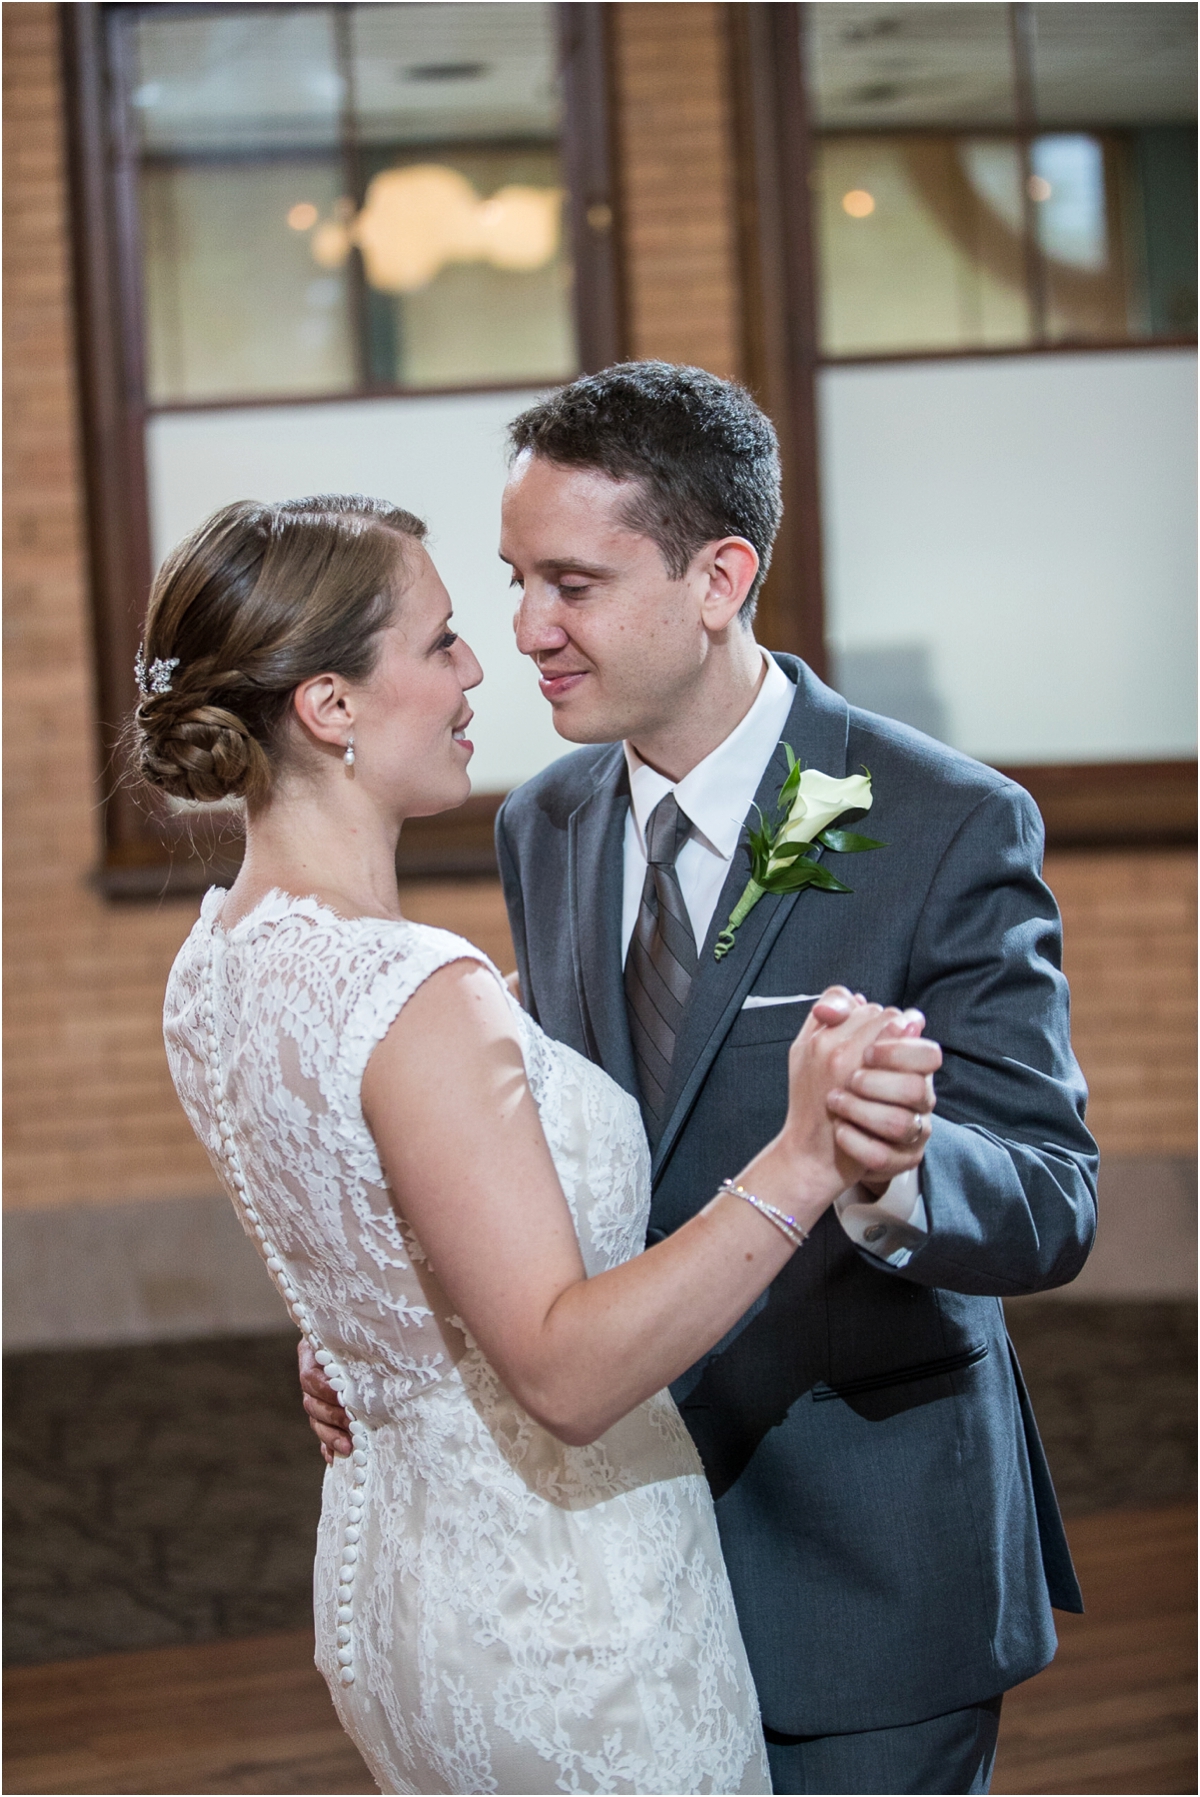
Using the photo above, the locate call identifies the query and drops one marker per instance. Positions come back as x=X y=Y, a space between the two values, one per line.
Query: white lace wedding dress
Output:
x=494 y=1611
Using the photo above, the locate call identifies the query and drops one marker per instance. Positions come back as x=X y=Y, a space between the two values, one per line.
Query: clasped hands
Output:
x=880 y=1104
x=882 y=1099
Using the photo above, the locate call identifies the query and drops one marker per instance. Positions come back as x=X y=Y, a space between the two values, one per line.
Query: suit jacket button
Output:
x=875 y=1233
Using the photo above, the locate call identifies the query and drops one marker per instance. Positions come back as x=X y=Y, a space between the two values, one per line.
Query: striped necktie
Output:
x=661 y=962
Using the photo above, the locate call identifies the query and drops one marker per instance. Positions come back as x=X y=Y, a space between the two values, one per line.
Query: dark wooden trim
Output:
x=107 y=333
x=1098 y=805
x=457 y=843
x=588 y=160
x=149 y=851
x=1114 y=804
x=194 y=857
x=770 y=109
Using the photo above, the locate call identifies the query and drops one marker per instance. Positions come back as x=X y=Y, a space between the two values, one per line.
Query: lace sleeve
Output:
x=405 y=959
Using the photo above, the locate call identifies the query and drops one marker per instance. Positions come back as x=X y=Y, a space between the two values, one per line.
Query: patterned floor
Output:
x=156 y=1495
x=162 y=1495
x=1114 y=1389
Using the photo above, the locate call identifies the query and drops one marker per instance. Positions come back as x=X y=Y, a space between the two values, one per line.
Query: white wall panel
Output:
x=442 y=458
x=1010 y=550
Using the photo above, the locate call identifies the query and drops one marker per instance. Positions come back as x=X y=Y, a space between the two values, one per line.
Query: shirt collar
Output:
x=719 y=790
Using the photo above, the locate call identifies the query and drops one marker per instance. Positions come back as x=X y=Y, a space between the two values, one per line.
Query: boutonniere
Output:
x=780 y=861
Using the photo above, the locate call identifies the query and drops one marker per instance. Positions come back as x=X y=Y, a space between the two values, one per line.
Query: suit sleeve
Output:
x=514 y=900
x=1009 y=1177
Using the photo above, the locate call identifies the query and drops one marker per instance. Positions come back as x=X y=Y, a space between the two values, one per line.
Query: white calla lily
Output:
x=819 y=800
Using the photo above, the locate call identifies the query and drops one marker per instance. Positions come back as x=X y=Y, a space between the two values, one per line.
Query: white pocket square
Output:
x=756 y=1002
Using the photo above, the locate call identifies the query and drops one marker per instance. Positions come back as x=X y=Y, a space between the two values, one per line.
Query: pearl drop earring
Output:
x=348 y=757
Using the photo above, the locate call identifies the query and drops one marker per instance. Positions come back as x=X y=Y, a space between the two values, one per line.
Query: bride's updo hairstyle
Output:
x=258 y=599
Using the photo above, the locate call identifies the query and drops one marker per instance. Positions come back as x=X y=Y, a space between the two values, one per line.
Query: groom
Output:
x=885 y=1509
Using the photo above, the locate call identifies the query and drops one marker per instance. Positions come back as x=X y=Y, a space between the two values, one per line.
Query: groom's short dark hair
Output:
x=706 y=457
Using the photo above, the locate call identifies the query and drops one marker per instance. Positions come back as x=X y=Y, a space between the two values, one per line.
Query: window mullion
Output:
x=354 y=185
x=1023 y=36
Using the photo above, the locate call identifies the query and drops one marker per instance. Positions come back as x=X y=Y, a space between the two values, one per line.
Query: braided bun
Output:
x=204 y=753
x=257 y=600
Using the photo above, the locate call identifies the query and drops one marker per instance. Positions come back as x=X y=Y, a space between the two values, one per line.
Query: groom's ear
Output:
x=729 y=567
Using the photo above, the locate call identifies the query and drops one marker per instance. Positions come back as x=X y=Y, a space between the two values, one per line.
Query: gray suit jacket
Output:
x=885 y=1508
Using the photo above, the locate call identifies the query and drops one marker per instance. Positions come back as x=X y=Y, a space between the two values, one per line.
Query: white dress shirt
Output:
x=716 y=796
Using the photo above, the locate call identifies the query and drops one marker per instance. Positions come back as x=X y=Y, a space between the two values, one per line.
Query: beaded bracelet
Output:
x=788 y=1226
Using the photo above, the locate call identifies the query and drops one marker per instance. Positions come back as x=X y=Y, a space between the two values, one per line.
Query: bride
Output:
x=518 y=1583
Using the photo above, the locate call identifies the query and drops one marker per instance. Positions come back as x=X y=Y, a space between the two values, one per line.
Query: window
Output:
x=1002 y=177
x=326 y=246
x=339 y=199
x=969 y=237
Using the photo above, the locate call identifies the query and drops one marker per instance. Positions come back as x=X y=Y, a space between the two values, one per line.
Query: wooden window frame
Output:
x=150 y=850
x=1084 y=805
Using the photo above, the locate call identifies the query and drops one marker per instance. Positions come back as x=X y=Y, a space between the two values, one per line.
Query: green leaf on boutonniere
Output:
x=807 y=873
x=846 y=842
x=791 y=786
x=791 y=851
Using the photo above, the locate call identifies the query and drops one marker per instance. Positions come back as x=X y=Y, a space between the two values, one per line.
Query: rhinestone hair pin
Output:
x=155 y=680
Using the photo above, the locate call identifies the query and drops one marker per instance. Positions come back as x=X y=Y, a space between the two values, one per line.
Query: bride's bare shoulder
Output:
x=458 y=1023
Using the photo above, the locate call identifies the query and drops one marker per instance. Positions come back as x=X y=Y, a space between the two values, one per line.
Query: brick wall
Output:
x=676 y=184
x=90 y=1114
x=1129 y=934
x=90 y=1111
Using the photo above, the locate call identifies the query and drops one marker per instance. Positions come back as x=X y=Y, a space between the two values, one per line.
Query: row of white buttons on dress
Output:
x=300 y=1316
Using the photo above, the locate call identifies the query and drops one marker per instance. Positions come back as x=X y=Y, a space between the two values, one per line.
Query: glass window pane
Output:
x=451 y=74
x=1010 y=550
x=467 y=278
x=340 y=197
x=1114 y=64
x=874 y=66
x=234 y=77
x=238 y=113
x=1162 y=231
x=1074 y=184
x=1116 y=211
x=461 y=229
x=920 y=244
x=235 y=306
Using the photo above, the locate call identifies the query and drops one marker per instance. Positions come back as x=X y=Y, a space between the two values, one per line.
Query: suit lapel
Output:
x=595 y=862
x=817 y=729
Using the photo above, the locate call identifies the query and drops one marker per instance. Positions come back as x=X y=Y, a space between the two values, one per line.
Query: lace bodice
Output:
x=495 y=1610
x=300 y=998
